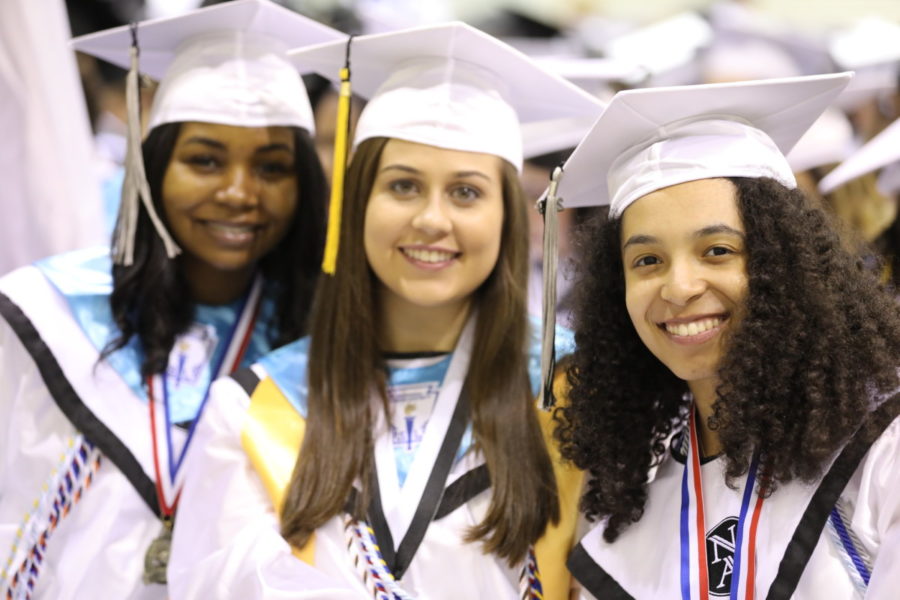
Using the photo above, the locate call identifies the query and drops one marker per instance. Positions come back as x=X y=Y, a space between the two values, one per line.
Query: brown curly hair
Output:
x=819 y=339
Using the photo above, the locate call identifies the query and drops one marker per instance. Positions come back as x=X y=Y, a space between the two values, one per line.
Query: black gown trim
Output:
x=462 y=490
x=399 y=557
x=247 y=379
x=809 y=530
x=593 y=578
x=74 y=408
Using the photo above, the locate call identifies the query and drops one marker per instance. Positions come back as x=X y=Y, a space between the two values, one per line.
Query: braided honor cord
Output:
x=65 y=488
x=378 y=579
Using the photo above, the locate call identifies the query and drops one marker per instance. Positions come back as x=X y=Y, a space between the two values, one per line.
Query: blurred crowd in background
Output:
x=62 y=156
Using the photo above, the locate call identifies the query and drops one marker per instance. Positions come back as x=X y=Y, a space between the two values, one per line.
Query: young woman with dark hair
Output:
x=397 y=452
x=153 y=299
x=106 y=365
x=733 y=392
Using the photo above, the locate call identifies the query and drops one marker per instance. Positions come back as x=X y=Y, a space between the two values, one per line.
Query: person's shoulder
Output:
x=286 y=367
x=85 y=272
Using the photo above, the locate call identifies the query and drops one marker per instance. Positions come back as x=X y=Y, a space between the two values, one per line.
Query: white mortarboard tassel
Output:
x=549 y=206
x=135 y=186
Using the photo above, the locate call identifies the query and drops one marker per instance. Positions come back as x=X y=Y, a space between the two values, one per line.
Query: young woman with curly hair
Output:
x=397 y=452
x=733 y=389
x=106 y=364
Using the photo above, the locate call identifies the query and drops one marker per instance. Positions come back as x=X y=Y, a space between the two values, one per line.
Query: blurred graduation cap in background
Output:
x=881 y=152
x=667 y=49
x=828 y=141
x=870 y=47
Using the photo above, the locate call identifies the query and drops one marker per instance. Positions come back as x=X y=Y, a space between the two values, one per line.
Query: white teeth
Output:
x=694 y=327
x=428 y=256
x=231 y=228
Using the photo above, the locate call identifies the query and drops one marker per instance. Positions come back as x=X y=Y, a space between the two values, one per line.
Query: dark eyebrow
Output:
x=220 y=146
x=717 y=229
x=458 y=174
x=403 y=168
x=275 y=147
x=462 y=174
x=205 y=141
x=710 y=230
x=639 y=239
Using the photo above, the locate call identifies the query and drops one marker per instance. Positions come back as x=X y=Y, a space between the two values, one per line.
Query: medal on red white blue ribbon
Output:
x=695 y=580
x=167 y=462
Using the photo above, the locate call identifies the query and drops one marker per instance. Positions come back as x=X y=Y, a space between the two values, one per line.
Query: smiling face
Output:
x=229 y=195
x=433 y=224
x=684 y=257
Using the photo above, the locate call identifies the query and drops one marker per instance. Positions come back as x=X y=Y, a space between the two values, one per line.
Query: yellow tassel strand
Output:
x=342 y=133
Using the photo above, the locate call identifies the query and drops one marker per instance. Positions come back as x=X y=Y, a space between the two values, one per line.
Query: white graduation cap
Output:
x=595 y=75
x=869 y=41
x=592 y=73
x=667 y=49
x=222 y=64
x=829 y=140
x=804 y=42
x=544 y=137
x=652 y=138
x=871 y=47
x=881 y=152
x=448 y=85
x=735 y=58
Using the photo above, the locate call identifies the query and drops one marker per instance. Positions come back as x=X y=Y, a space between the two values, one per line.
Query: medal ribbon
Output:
x=168 y=489
x=692 y=485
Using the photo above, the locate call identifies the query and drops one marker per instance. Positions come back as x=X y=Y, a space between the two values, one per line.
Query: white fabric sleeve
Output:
x=226 y=541
x=880 y=497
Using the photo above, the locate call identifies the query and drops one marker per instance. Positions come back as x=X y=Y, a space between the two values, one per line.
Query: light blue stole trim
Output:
x=287 y=366
x=84 y=279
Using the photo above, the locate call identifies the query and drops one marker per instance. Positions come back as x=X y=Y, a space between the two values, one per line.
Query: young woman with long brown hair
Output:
x=397 y=451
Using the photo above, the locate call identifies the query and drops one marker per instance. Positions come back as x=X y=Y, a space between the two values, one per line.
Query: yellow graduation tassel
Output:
x=341 y=135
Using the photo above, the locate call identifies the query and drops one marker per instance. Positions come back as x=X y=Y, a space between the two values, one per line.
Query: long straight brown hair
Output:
x=346 y=364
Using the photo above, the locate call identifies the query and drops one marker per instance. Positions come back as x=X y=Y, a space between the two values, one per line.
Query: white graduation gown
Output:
x=227 y=542
x=52 y=390
x=645 y=561
x=97 y=551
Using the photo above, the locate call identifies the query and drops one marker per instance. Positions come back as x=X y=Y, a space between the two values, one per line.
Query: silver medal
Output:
x=157 y=557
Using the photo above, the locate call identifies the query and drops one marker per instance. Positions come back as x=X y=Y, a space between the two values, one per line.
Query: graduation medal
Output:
x=169 y=481
x=156 y=560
